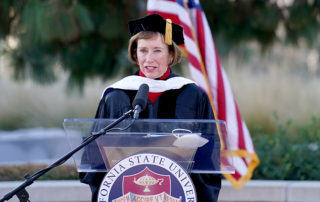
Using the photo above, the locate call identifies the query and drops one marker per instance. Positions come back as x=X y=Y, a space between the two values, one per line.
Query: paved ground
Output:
x=254 y=191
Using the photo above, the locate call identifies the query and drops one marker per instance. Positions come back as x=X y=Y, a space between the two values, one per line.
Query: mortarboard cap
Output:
x=156 y=23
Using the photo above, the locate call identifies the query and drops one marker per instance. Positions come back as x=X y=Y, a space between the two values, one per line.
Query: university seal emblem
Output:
x=146 y=177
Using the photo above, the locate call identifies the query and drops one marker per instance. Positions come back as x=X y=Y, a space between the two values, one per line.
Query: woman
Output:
x=153 y=47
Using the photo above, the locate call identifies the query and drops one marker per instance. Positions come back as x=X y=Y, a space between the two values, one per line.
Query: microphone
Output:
x=140 y=101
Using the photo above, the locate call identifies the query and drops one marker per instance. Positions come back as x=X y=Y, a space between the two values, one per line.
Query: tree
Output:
x=237 y=21
x=89 y=38
x=86 y=37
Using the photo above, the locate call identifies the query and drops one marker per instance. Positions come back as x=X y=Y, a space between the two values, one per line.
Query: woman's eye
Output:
x=157 y=51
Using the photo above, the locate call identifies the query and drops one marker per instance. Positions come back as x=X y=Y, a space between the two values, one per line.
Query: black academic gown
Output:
x=189 y=102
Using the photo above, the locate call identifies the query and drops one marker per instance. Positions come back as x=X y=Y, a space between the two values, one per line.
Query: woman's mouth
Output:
x=150 y=68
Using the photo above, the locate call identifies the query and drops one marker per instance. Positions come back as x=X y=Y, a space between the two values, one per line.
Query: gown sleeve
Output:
x=194 y=103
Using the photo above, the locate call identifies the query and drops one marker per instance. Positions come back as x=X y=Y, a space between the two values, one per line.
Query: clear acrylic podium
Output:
x=199 y=146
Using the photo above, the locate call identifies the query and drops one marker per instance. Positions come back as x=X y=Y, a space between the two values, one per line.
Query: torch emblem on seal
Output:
x=148 y=181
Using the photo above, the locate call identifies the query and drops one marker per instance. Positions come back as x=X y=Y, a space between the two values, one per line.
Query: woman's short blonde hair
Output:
x=174 y=50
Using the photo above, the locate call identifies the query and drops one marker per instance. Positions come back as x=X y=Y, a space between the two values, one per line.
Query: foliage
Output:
x=291 y=153
x=12 y=173
x=238 y=21
x=85 y=37
x=89 y=38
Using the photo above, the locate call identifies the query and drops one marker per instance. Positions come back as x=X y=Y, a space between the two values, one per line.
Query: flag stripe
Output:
x=241 y=142
x=200 y=34
x=201 y=82
x=248 y=141
x=220 y=92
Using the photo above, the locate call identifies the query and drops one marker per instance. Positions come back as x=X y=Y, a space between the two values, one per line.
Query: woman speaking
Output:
x=153 y=46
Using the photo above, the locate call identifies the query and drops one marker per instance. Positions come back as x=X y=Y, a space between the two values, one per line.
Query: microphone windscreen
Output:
x=141 y=97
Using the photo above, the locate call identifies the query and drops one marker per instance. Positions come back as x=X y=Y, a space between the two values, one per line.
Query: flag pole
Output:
x=203 y=69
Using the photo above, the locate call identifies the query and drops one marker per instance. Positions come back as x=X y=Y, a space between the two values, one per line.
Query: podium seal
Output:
x=147 y=177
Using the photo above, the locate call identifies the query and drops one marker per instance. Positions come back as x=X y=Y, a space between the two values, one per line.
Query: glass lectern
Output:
x=199 y=146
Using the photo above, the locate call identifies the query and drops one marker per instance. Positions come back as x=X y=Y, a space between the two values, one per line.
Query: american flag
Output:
x=207 y=71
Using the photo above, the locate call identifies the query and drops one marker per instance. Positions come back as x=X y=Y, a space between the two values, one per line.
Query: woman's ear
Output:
x=170 y=59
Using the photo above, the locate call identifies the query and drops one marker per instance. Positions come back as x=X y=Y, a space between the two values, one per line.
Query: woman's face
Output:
x=153 y=56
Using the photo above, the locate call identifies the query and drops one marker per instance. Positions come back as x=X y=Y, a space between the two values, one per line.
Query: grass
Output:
x=264 y=95
x=279 y=83
x=26 y=104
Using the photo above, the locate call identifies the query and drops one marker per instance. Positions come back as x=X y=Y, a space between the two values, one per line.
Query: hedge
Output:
x=290 y=153
x=11 y=173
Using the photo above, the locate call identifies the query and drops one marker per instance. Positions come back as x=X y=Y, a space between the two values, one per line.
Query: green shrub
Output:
x=11 y=173
x=290 y=153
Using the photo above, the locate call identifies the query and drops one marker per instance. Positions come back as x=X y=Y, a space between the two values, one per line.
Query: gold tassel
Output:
x=168 y=34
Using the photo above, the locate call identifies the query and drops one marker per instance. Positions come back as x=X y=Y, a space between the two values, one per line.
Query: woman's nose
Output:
x=149 y=57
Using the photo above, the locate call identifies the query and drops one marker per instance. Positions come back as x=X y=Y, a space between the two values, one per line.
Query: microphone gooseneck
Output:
x=140 y=101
